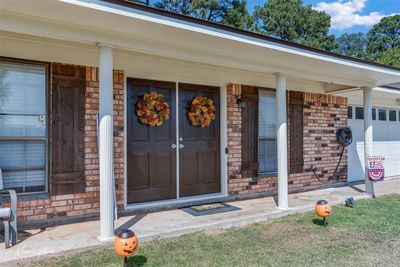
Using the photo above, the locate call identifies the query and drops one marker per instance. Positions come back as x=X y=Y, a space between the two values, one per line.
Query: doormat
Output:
x=208 y=209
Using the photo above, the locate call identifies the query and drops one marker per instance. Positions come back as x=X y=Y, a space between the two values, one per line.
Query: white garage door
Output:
x=386 y=129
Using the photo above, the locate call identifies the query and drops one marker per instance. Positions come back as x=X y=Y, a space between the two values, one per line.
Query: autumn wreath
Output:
x=152 y=109
x=202 y=111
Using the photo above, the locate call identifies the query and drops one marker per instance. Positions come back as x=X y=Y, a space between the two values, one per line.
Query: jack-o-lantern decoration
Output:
x=126 y=243
x=322 y=209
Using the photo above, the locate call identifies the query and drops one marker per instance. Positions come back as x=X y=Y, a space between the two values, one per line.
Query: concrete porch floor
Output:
x=40 y=243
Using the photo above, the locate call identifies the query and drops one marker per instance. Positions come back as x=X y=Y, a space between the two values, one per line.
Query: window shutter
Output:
x=67 y=143
x=296 y=102
x=250 y=132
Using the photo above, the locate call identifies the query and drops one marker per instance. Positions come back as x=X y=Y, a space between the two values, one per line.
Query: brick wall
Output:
x=87 y=202
x=323 y=114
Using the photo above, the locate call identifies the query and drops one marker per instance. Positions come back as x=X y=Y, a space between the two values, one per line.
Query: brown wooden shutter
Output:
x=296 y=153
x=67 y=128
x=250 y=132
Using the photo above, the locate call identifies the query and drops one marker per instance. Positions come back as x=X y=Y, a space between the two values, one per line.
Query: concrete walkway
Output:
x=41 y=243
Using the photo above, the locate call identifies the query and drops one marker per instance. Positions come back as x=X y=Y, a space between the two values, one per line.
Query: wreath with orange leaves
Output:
x=202 y=111
x=152 y=109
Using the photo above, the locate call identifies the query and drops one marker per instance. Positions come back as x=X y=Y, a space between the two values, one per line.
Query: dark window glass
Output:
x=382 y=114
x=392 y=115
x=399 y=115
x=374 y=114
x=350 y=112
x=359 y=113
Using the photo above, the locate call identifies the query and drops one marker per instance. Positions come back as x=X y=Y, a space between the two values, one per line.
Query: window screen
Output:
x=267 y=154
x=23 y=126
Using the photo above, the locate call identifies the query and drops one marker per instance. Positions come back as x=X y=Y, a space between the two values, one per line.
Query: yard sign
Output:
x=376 y=170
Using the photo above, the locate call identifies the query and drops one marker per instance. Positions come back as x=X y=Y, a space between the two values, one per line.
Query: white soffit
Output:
x=159 y=35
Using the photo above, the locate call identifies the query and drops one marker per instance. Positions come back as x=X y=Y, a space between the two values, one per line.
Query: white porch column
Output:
x=282 y=147
x=368 y=135
x=106 y=142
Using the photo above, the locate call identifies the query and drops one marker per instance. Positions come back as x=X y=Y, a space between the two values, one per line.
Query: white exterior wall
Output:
x=386 y=135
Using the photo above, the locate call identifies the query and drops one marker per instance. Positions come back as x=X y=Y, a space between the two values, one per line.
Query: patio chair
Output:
x=9 y=216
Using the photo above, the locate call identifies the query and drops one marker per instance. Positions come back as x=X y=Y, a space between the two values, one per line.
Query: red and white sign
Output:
x=376 y=169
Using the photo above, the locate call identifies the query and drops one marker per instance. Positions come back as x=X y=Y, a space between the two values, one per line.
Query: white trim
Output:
x=224 y=139
x=386 y=90
x=125 y=140
x=368 y=136
x=182 y=200
x=177 y=138
x=194 y=27
x=205 y=55
x=223 y=156
x=106 y=142
x=281 y=141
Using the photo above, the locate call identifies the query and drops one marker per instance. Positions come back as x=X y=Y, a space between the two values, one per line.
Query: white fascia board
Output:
x=146 y=16
x=387 y=90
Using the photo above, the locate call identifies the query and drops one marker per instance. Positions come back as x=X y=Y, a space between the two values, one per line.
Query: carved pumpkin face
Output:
x=322 y=209
x=126 y=247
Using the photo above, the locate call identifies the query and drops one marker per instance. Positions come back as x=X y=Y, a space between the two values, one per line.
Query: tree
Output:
x=178 y=6
x=230 y=12
x=238 y=16
x=353 y=45
x=292 y=21
x=384 y=36
x=390 y=57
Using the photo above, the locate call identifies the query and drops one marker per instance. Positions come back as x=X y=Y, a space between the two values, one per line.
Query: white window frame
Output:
x=29 y=138
x=264 y=174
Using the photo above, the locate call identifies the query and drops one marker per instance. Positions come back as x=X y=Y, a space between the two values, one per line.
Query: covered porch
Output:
x=38 y=244
x=145 y=45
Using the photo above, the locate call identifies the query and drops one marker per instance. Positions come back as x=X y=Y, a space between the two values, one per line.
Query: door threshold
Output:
x=175 y=203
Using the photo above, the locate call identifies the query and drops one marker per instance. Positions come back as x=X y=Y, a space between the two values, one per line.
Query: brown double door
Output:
x=153 y=152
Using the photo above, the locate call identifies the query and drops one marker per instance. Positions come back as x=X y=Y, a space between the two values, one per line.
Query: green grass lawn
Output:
x=366 y=235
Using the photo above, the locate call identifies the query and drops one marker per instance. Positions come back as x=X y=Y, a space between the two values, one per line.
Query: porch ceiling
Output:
x=92 y=21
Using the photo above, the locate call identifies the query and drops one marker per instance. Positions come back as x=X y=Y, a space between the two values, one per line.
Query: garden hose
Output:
x=344 y=136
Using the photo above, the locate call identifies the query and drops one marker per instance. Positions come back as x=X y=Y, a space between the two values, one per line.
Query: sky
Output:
x=348 y=16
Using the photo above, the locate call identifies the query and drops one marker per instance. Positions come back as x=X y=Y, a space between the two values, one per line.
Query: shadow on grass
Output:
x=137 y=261
x=319 y=222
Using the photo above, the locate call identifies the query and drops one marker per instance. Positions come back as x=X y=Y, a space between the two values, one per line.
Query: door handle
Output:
x=173 y=146
x=181 y=146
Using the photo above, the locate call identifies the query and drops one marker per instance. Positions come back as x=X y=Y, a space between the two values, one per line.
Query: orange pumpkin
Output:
x=126 y=243
x=322 y=209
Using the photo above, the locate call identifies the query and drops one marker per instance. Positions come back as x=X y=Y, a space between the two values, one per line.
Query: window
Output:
x=359 y=113
x=399 y=115
x=382 y=114
x=349 y=112
x=374 y=114
x=392 y=115
x=267 y=154
x=23 y=126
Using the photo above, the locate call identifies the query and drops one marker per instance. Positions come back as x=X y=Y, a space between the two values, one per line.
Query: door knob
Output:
x=173 y=146
x=181 y=146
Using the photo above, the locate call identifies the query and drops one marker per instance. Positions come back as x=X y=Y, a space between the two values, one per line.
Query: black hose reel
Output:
x=344 y=137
